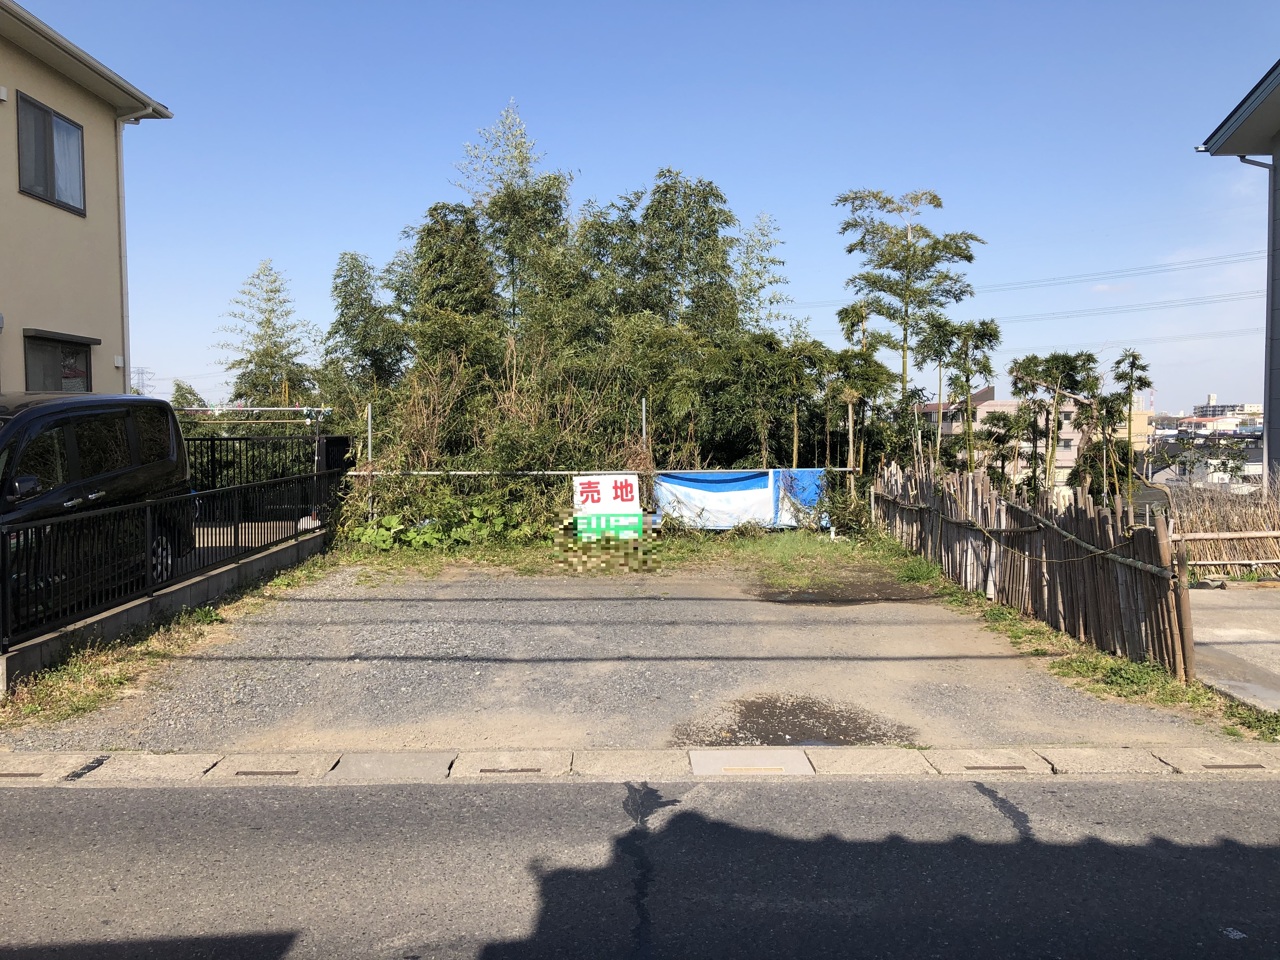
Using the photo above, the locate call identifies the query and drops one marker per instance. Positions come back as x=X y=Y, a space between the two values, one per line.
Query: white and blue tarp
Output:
x=723 y=499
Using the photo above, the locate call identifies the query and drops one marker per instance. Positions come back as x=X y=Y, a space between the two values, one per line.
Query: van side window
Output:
x=155 y=441
x=103 y=444
x=45 y=458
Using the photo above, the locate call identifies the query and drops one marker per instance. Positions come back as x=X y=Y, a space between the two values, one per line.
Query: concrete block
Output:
x=1094 y=760
x=407 y=767
x=869 y=762
x=151 y=768
x=40 y=769
x=987 y=762
x=619 y=766
x=1221 y=760
x=511 y=764
x=263 y=768
x=750 y=762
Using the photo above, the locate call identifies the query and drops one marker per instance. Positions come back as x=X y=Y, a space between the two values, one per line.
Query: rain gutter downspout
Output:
x=124 y=253
x=1269 y=414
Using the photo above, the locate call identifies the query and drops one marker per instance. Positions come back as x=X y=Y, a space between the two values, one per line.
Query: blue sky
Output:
x=1062 y=134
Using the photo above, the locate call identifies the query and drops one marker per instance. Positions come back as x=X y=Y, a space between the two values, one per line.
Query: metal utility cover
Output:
x=27 y=769
x=272 y=767
x=1201 y=760
x=1102 y=760
x=512 y=764
x=408 y=767
x=749 y=762
x=990 y=762
x=870 y=762
x=152 y=768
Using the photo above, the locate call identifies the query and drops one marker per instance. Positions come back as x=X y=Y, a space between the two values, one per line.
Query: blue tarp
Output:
x=720 y=500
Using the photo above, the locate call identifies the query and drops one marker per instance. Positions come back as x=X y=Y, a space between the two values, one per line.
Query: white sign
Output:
x=606 y=493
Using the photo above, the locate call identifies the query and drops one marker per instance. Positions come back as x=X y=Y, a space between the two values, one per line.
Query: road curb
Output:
x=81 y=770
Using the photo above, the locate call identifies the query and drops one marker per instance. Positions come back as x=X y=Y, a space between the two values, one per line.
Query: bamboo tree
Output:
x=906 y=280
x=935 y=345
x=1130 y=371
x=971 y=360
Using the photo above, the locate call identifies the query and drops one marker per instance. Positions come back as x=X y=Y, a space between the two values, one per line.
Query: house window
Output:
x=1065 y=444
x=50 y=156
x=58 y=364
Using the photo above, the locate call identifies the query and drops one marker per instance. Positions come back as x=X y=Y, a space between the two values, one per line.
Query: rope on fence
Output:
x=970 y=524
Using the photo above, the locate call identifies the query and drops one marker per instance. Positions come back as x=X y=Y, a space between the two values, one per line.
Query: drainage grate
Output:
x=1234 y=766
x=266 y=773
x=1010 y=767
x=510 y=769
x=89 y=767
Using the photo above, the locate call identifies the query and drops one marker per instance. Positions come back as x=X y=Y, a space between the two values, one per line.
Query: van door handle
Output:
x=95 y=496
x=73 y=503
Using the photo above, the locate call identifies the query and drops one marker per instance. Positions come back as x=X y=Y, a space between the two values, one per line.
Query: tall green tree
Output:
x=970 y=361
x=935 y=344
x=1130 y=372
x=505 y=155
x=1059 y=376
x=268 y=347
x=906 y=280
x=444 y=287
x=685 y=251
x=758 y=276
x=365 y=340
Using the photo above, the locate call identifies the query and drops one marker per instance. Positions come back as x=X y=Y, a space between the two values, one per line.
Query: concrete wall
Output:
x=60 y=271
x=48 y=650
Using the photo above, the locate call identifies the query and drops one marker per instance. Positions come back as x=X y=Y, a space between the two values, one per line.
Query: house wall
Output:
x=59 y=271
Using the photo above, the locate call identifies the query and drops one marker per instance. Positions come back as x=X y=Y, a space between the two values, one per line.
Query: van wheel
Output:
x=161 y=558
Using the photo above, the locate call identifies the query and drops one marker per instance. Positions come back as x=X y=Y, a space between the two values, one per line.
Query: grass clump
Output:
x=97 y=673
x=1078 y=663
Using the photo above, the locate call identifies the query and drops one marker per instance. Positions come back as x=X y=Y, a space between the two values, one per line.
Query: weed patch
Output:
x=98 y=673
x=1080 y=664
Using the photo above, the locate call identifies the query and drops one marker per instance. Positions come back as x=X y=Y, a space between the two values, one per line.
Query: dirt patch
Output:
x=849 y=594
x=779 y=720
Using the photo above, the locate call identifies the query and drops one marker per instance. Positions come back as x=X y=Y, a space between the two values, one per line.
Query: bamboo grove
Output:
x=520 y=331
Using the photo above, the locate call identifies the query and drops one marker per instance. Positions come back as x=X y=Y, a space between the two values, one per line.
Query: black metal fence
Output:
x=60 y=570
x=218 y=462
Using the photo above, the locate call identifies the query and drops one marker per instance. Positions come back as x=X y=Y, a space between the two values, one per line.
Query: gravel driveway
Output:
x=475 y=659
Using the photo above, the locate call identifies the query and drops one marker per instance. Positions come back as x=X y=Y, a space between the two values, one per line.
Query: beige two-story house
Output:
x=64 y=291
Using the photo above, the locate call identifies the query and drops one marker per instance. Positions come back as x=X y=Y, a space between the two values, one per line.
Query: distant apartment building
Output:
x=1215 y=409
x=1209 y=425
x=1068 y=434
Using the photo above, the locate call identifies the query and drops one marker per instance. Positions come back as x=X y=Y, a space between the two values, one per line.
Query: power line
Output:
x=1105 y=344
x=1120 y=308
x=1135 y=307
x=1175 y=266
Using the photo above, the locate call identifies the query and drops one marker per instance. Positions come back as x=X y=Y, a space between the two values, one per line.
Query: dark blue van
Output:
x=76 y=456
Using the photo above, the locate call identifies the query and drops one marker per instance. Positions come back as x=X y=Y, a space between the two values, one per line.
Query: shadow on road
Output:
x=696 y=888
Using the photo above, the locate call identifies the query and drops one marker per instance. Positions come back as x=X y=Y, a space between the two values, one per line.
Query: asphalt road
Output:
x=897 y=869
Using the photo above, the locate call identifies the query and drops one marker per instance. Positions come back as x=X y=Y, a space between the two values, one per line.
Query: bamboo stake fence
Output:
x=1080 y=569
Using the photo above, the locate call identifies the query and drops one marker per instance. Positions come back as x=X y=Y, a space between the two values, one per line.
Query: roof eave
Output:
x=43 y=42
x=1253 y=126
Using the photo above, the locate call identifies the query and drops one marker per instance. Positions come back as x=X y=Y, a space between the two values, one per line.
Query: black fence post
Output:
x=7 y=596
x=149 y=562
